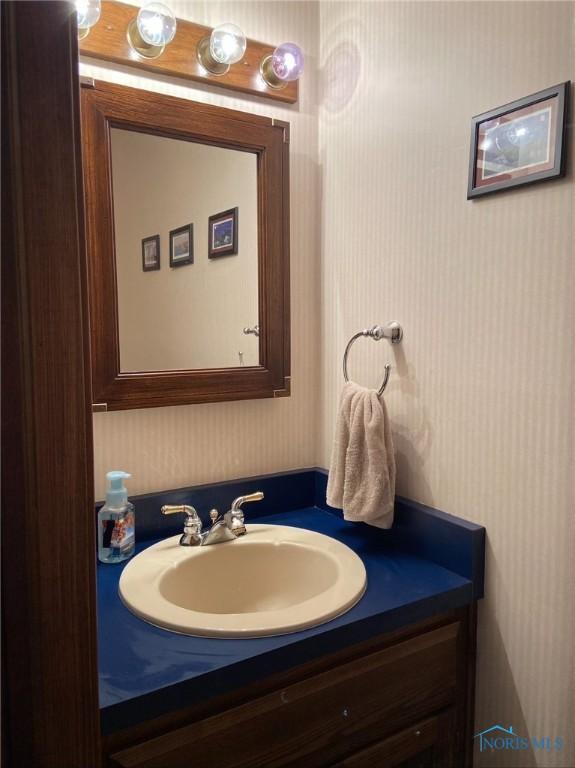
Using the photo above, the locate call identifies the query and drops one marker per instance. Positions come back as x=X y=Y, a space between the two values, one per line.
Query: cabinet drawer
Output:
x=320 y=719
x=426 y=744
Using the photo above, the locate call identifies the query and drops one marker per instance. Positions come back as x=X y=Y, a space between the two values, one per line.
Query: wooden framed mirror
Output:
x=187 y=219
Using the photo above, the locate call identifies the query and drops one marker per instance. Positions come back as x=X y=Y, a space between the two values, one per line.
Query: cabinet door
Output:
x=427 y=744
x=320 y=720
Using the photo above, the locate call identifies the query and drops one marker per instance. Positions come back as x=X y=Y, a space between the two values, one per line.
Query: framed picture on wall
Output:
x=151 y=253
x=182 y=246
x=223 y=234
x=519 y=143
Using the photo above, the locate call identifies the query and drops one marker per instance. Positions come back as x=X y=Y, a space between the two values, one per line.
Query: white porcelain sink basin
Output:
x=274 y=580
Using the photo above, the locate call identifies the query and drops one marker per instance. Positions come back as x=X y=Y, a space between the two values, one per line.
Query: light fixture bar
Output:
x=108 y=41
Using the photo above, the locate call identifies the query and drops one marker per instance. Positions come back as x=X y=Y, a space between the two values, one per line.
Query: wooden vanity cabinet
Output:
x=427 y=744
x=401 y=700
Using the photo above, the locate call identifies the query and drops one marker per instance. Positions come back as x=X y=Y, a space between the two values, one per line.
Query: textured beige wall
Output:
x=482 y=389
x=171 y=447
x=481 y=395
x=190 y=316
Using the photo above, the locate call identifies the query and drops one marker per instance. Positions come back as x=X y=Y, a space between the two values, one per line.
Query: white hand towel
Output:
x=362 y=472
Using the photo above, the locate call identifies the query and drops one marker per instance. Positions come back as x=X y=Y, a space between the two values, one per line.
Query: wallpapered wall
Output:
x=482 y=389
x=186 y=445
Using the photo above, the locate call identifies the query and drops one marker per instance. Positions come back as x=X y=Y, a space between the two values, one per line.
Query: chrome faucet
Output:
x=235 y=517
x=224 y=528
x=192 y=535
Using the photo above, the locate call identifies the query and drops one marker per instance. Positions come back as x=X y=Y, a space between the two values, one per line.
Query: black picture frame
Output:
x=187 y=256
x=555 y=125
x=223 y=220
x=148 y=244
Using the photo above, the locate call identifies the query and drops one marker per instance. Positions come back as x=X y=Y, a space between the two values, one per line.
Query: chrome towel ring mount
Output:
x=392 y=331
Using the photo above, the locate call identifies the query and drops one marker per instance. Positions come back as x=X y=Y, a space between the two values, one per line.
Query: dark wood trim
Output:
x=105 y=106
x=50 y=684
x=107 y=40
x=469 y=703
x=285 y=128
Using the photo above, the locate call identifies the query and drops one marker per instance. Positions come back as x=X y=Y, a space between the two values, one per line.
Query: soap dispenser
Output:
x=116 y=535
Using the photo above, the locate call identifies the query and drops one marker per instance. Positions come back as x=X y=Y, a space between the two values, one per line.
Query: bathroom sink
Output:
x=272 y=581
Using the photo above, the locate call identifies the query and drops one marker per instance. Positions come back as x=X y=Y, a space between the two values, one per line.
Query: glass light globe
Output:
x=88 y=13
x=156 y=24
x=227 y=44
x=287 y=62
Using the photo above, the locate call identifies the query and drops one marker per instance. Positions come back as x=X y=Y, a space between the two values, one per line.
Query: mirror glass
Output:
x=186 y=242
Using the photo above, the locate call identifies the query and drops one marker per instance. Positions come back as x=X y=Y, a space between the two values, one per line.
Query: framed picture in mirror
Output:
x=223 y=234
x=151 y=253
x=182 y=246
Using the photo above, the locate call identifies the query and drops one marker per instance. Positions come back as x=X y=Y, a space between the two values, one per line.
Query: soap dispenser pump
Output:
x=116 y=535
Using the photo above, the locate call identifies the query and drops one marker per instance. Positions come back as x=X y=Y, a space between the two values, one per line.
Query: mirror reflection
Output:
x=186 y=240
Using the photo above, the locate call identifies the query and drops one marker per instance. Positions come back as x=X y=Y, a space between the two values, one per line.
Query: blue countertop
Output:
x=146 y=671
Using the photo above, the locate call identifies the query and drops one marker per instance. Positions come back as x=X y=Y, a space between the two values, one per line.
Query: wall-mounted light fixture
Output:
x=87 y=13
x=225 y=46
x=283 y=66
x=140 y=37
x=151 y=30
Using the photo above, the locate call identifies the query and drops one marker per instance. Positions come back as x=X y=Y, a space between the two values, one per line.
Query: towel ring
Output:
x=392 y=331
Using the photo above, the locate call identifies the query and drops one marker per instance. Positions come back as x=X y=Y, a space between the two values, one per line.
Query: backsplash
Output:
x=433 y=535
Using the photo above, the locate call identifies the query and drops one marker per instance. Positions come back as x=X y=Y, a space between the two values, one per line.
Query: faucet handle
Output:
x=235 y=517
x=191 y=536
x=256 y=496
x=174 y=509
x=237 y=503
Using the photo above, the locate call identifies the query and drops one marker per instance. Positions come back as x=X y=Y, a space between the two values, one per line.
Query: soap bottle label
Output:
x=123 y=533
